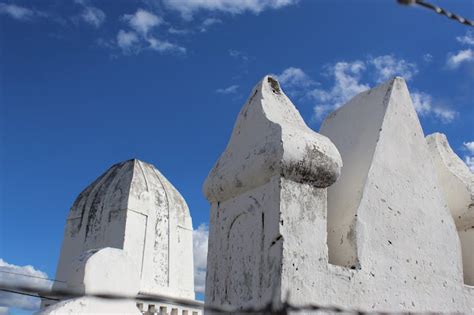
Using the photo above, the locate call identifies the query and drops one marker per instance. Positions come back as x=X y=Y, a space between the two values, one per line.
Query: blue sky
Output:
x=86 y=84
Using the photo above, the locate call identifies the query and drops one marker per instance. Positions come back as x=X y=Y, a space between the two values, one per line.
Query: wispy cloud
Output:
x=239 y=55
x=469 y=146
x=200 y=240
x=296 y=82
x=455 y=59
x=348 y=81
x=467 y=39
x=176 y=31
x=93 y=16
x=164 y=46
x=143 y=21
x=188 y=8
x=388 y=66
x=294 y=77
x=469 y=157
x=425 y=106
x=20 y=13
x=128 y=41
x=22 y=275
x=427 y=57
x=90 y=14
x=228 y=90
x=141 y=35
x=207 y=23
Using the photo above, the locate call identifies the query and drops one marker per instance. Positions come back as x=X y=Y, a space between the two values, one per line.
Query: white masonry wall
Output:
x=400 y=249
x=457 y=183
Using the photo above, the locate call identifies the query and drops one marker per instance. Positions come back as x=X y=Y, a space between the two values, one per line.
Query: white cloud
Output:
x=347 y=77
x=93 y=16
x=445 y=114
x=207 y=23
x=200 y=240
x=467 y=39
x=428 y=57
x=164 y=46
x=294 y=77
x=424 y=106
x=469 y=146
x=348 y=81
x=388 y=66
x=422 y=102
x=469 y=158
x=141 y=35
x=228 y=90
x=188 y=7
x=143 y=21
x=12 y=275
x=17 y=12
x=4 y=310
x=236 y=54
x=456 y=59
x=176 y=31
x=128 y=42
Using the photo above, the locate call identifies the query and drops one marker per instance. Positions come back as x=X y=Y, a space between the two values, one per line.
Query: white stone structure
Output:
x=380 y=239
x=132 y=209
x=457 y=183
x=108 y=270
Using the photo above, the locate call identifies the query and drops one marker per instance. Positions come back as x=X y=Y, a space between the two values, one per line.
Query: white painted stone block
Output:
x=387 y=214
x=272 y=159
x=457 y=183
x=106 y=271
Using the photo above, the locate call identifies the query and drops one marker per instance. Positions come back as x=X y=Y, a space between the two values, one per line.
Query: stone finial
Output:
x=268 y=202
x=270 y=138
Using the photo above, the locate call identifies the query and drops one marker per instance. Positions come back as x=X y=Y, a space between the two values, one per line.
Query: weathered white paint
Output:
x=132 y=206
x=260 y=147
x=457 y=183
x=271 y=157
x=268 y=225
x=104 y=271
x=400 y=227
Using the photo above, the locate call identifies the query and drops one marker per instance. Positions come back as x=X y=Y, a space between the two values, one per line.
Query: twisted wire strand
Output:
x=438 y=10
x=270 y=308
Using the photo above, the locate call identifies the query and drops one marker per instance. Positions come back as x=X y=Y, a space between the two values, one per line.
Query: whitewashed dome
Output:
x=133 y=207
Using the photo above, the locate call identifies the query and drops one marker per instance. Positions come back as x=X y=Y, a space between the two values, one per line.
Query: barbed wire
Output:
x=269 y=308
x=438 y=10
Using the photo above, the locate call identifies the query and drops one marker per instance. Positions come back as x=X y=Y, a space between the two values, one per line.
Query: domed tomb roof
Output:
x=133 y=207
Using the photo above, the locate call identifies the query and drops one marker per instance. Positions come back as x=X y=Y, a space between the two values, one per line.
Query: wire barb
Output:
x=438 y=10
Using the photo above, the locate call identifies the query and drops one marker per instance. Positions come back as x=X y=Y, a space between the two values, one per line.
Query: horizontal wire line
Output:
x=30 y=276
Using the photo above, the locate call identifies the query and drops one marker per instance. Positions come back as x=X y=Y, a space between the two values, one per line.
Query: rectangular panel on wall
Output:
x=134 y=243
